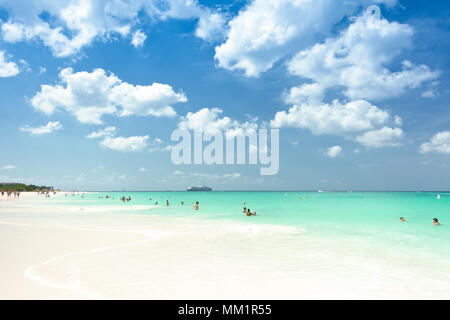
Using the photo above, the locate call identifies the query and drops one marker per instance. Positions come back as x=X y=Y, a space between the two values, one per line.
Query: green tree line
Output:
x=23 y=187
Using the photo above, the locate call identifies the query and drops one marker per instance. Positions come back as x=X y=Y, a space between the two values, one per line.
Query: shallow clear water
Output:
x=367 y=214
x=351 y=216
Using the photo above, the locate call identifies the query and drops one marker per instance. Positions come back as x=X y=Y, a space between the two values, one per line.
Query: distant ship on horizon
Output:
x=204 y=188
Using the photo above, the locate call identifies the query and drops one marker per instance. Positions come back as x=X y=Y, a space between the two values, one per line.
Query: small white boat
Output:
x=438 y=197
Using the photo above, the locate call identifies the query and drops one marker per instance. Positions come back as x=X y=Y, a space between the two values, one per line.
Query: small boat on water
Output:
x=204 y=188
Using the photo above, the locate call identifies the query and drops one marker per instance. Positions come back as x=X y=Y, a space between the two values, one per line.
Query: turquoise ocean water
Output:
x=372 y=216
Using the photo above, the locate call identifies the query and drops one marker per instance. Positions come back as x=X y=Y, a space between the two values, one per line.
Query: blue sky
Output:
x=361 y=101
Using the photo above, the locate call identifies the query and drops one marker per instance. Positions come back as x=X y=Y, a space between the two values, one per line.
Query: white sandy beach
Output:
x=25 y=244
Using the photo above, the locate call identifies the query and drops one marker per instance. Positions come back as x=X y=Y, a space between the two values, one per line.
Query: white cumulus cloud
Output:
x=333 y=152
x=91 y=95
x=138 y=39
x=266 y=31
x=335 y=118
x=48 y=128
x=211 y=27
x=107 y=132
x=358 y=120
x=439 y=143
x=122 y=144
x=357 y=59
x=9 y=167
x=211 y=122
x=384 y=137
x=78 y=23
x=7 y=68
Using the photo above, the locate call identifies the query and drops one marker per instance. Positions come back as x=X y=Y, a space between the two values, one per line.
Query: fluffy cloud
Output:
x=356 y=63
x=122 y=144
x=305 y=93
x=138 y=39
x=7 y=68
x=335 y=118
x=9 y=167
x=155 y=100
x=266 y=31
x=333 y=152
x=440 y=143
x=356 y=60
x=107 y=132
x=384 y=137
x=211 y=27
x=209 y=121
x=87 y=20
x=89 y=96
x=48 y=128
x=348 y=120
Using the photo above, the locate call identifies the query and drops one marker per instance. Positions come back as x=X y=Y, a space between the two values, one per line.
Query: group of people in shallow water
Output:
x=196 y=205
x=123 y=199
x=128 y=199
x=435 y=221
x=248 y=213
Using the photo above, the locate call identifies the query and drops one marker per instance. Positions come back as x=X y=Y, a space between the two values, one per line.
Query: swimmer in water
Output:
x=245 y=210
x=167 y=202
x=402 y=219
x=249 y=214
x=436 y=222
x=196 y=206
